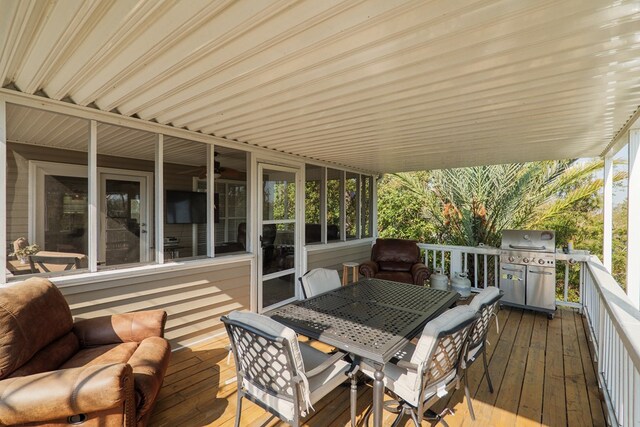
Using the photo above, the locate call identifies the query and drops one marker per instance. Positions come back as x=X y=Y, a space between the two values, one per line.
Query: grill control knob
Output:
x=540 y=261
x=525 y=260
x=511 y=259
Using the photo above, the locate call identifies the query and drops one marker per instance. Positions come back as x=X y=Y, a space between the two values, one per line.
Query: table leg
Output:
x=378 y=395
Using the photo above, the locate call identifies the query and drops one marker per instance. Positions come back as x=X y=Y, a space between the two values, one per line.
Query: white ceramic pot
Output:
x=439 y=280
x=461 y=284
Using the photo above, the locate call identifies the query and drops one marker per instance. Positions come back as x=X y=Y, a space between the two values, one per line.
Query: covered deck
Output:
x=146 y=101
x=542 y=372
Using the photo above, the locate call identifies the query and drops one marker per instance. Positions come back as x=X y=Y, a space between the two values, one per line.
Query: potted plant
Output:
x=23 y=253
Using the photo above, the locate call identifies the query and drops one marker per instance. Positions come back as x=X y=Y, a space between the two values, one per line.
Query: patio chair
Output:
x=486 y=305
x=397 y=260
x=277 y=372
x=318 y=281
x=425 y=372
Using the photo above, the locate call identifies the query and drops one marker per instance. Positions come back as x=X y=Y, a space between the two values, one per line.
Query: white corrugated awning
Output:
x=384 y=85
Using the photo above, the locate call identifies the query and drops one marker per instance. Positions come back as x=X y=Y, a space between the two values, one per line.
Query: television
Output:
x=185 y=207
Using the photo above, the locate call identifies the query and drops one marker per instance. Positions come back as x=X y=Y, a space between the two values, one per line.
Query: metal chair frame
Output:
x=478 y=338
x=294 y=383
x=432 y=373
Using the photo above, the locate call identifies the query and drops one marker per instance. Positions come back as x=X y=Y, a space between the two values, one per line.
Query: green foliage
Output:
x=469 y=206
x=400 y=212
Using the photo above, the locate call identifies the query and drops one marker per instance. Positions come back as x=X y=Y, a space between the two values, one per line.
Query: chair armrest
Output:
x=59 y=394
x=119 y=328
x=326 y=364
x=368 y=269
x=420 y=273
x=407 y=365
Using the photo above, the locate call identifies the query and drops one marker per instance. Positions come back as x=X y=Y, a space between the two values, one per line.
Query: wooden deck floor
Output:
x=541 y=371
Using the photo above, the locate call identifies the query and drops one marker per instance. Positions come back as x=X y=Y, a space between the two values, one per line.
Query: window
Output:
x=351 y=199
x=126 y=166
x=46 y=191
x=335 y=202
x=185 y=199
x=231 y=195
x=313 y=203
x=366 y=206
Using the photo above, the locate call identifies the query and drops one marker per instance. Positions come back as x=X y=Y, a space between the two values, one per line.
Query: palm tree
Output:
x=473 y=205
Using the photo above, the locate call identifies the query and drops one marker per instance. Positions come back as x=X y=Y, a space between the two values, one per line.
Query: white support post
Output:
x=607 y=212
x=323 y=205
x=374 y=208
x=633 y=224
x=358 y=206
x=3 y=189
x=159 y=199
x=93 y=221
x=343 y=206
x=211 y=190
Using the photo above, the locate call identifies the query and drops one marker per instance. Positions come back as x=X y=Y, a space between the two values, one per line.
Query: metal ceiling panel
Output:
x=382 y=85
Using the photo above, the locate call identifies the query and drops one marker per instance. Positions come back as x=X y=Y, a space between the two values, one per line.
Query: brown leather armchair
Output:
x=105 y=371
x=397 y=260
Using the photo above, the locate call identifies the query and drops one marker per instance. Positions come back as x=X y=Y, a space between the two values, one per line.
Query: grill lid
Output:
x=529 y=240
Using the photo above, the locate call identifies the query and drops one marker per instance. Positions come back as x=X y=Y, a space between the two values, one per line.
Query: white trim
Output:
x=320 y=247
x=211 y=191
x=252 y=244
x=37 y=171
x=323 y=206
x=607 y=213
x=297 y=221
x=3 y=187
x=343 y=206
x=92 y=197
x=374 y=207
x=106 y=117
x=359 y=182
x=82 y=279
x=158 y=220
x=633 y=218
x=144 y=179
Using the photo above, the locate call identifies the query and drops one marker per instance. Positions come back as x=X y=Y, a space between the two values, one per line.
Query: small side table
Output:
x=345 y=272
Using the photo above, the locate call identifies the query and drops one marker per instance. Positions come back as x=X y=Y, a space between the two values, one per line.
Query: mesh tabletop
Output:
x=372 y=319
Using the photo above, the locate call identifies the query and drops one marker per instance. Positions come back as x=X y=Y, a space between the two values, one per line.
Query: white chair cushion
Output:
x=402 y=382
x=320 y=280
x=319 y=385
x=486 y=295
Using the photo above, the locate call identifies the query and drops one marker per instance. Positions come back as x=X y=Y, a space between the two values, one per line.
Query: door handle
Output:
x=530 y=248
x=541 y=272
x=512 y=269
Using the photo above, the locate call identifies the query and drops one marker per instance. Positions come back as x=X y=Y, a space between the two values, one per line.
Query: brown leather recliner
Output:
x=397 y=260
x=105 y=371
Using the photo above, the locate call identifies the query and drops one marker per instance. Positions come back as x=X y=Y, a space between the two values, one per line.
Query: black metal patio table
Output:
x=371 y=319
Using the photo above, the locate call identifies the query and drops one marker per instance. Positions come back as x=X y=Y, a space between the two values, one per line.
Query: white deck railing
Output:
x=614 y=324
x=613 y=321
x=482 y=263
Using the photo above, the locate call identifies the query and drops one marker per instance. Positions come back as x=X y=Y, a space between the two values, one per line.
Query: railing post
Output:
x=455 y=263
x=566 y=281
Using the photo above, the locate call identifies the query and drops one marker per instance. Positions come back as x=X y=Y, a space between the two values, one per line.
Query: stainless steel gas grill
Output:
x=528 y=269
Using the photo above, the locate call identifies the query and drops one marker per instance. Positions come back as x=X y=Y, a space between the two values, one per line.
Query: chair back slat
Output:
x=264 y=361
x=448 y=353
x=481 y=328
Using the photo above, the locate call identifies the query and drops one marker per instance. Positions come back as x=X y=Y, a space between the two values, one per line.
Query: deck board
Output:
x=528 y=363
